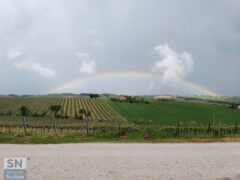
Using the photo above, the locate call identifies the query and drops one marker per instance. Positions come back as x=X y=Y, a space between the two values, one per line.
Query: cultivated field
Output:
x=114 y=121
x=100 y=110
x=168 y=113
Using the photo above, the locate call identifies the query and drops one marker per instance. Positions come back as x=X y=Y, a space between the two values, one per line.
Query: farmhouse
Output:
x=167 y=98
x=122 y=98
x=238 y=107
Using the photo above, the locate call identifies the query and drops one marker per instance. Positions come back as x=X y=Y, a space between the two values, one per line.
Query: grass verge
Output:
x=135 y=137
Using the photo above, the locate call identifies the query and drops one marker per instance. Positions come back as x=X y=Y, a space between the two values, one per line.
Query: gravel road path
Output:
x=128 y=161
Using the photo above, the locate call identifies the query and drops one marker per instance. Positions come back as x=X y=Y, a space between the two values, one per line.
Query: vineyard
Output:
x=151 y=121
x=100 y=110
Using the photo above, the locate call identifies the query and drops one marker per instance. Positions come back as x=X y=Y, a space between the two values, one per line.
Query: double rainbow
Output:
x=130 y=73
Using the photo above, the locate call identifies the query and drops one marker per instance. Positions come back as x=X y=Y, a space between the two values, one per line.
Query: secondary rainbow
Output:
x=130 y=73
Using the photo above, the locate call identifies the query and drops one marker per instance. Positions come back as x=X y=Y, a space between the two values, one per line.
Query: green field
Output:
x=168 y=113
x=160 y=113
x=112 y=121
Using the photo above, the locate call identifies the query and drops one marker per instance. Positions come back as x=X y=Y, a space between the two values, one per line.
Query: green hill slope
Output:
x=168 y=113
x=99 y=109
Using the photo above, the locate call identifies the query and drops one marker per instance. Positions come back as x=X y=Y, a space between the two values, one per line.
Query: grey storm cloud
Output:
x=44 y=44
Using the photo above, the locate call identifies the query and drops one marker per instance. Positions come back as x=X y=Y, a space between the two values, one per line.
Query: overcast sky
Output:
x=44 y=44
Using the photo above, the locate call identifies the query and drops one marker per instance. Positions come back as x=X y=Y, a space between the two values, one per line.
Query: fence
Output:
x=93 y=127
x=65 y=126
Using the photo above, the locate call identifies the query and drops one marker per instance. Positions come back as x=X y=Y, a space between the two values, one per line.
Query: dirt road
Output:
x=127 y=161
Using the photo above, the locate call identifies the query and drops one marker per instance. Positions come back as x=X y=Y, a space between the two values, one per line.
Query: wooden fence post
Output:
x=9 y=128
x=219 y=128
x=87 y=125
x=55 y=126
x=44 y=125
x=148 y=128
x=119 y=129
x=68 y=127
x=178 y=129
x=236 y=127
x=213 y=118
x=94 y=127
x=24 y=124
x=209 y=127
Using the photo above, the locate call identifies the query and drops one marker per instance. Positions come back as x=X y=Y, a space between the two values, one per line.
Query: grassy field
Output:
x=168 y=113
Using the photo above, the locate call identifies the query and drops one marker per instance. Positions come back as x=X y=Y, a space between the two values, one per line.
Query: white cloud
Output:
x=45 y=72
x=88 y=67
x=172 y=65
x=98 y=44
x=14 y=53
x=151 y=85
x=82 y=55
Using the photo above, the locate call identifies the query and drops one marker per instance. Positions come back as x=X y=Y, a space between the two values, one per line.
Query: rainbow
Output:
x=130 y=73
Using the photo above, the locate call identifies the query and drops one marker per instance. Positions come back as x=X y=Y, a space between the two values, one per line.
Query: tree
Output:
x=55 y=109
x=24 y=113
x=87 y=115
x=94 y=96
x=82 y=112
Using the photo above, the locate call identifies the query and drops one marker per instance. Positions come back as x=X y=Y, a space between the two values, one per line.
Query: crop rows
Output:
x=99 y=109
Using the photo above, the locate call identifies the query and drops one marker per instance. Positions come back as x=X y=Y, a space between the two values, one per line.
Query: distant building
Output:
x=238 y=107
x=122 y=98
x=167 y=98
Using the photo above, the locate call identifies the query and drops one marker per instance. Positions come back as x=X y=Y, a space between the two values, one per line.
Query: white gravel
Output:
x=191 y=161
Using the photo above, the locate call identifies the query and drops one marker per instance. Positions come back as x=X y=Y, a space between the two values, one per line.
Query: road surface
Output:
x=128 y=161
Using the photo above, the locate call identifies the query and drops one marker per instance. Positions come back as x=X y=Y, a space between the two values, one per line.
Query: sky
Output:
x=45 y=44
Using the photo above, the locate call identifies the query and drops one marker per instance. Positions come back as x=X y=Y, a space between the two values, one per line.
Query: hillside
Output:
x=168 y=113
x=70 y=107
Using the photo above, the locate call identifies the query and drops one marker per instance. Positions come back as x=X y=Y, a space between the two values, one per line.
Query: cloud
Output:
x=151 y=85
x=172 y=65
x=98 y=44
x=82 y=55
x=92 y=32
x=88 y=67
x=45 y=72
x=14 y=53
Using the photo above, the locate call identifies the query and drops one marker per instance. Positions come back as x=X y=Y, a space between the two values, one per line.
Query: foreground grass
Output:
x=135 y=137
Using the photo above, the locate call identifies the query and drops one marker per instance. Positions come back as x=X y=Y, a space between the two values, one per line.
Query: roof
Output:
x=164 y=97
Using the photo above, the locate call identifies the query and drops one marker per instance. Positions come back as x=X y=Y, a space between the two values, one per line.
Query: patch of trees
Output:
x=13 y=95
x=90 y=95
x=211 y=101
x=130 y=99
x=233 y=106
x=94 y=96
x=219 y=102
x=165 y=100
